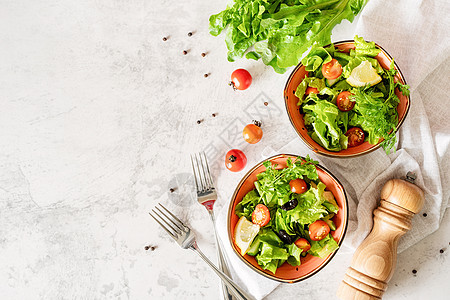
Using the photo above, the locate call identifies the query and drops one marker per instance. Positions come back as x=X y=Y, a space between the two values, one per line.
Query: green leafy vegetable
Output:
x=247 y=205
x=281 y=31
x=324 y=247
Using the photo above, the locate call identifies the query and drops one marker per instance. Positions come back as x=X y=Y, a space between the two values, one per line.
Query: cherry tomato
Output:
x=332 y=69
x=240 y=79
x=303 y=244
x=318 y=230
x=252 y=133
x=298 y=186
x=355 y=136
x=235 y=160
x=343 y=102
x=261 y=215
x=310 y=90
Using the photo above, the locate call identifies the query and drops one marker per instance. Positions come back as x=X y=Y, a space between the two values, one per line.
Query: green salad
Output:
x=293 y=211
x=348 y=98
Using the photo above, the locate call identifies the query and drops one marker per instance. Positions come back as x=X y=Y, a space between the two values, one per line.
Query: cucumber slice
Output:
x=330 y=207
x=330 y=198
x=254 y=247
x=330 y=82
x=328 y=217
x=330 y=223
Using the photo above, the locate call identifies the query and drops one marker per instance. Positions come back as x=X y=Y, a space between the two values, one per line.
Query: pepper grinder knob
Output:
x=374 y=261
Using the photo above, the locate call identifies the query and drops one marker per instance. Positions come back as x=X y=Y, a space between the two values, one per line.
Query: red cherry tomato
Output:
x=298 y=186
x=318 y=230
x=252 y=133
x=241 y=79
x=303 y=244
x=235 y=160
x=343 y=102
x=332 y=69
x=355 y=136
x=310 y=90
x=261 y=215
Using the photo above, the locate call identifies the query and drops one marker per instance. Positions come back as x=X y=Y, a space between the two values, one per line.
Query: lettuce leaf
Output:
x=309 y=208
x=270 y=257
x=247 y=205
x=294 y=255
x=324 y=117
x=324 y=247
x=318 y=83
x=281 y=31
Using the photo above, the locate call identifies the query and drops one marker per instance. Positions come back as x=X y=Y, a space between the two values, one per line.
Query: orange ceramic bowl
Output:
x=296 y=117
x=310 y=265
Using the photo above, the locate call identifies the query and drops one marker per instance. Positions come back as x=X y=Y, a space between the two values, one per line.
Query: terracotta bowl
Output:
x=310 y=265
x=296 y=117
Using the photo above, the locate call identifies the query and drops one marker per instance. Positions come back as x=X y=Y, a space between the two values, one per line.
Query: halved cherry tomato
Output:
x=303 y=244
x=261 y=215
x=252 y=132
x=310 y=90
x=240 y=79
x=318 y=230
x=355 y=136
x=332 y=69
x=343 y=102
x=298 y=186
x=235 y=160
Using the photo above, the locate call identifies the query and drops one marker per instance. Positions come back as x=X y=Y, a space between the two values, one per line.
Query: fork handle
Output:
x=237 y=291
x=223 y=266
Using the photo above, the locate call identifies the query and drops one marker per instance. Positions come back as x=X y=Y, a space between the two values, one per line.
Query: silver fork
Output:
x=207 y=196
x=186 y=239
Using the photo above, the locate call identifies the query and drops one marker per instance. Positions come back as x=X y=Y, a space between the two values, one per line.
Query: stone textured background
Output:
x=98 y=116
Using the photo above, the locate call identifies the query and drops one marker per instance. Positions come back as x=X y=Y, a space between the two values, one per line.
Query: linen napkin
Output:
x=415 y=33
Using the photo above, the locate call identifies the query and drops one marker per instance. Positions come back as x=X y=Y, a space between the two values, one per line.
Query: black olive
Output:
x=290 y=204
x=286 y=238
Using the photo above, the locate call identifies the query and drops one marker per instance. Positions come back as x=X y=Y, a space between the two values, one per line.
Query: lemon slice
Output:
x=363 y=75
x=244 y=233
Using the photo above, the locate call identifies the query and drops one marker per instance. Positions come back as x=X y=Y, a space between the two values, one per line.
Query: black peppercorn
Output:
x=414 y=271
x=146 y=248
x=441 y=251
x=164 y=39
x=189 y=33
x=184 y=52
x=214 y=115
x=425 y=214
x=172 y=190
x=203 y=54
x=199 y=121
x=205 y=75
x=266 y=103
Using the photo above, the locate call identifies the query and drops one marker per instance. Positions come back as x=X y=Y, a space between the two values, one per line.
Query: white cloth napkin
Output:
x=415 y=33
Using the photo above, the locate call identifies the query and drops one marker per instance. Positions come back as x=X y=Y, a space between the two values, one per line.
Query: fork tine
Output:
x=195 y=173
x=177 y=222
x=164 y=227
x=200 y=173
x=166 y=220
x=203 y=171
x=211 y=183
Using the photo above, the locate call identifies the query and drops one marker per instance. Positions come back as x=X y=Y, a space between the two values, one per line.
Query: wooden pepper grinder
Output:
x=374 y=261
